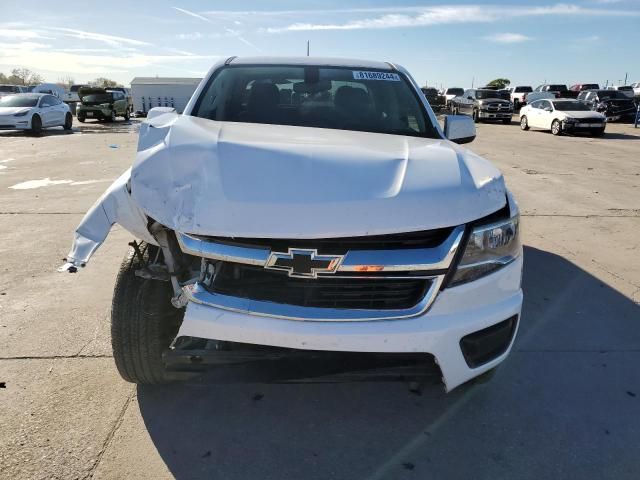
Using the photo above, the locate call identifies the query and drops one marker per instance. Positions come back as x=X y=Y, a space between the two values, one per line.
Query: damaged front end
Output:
x=117 y=206
x=114 y=206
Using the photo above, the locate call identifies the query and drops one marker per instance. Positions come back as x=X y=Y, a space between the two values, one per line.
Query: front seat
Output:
x=262 y=105
x=354 y=106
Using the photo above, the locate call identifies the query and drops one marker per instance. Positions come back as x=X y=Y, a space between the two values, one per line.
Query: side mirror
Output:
x=459 y=128
x=548 y=109
x=157 y=111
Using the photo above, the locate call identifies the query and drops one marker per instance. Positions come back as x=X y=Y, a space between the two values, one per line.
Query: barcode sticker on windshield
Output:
x=389 y=77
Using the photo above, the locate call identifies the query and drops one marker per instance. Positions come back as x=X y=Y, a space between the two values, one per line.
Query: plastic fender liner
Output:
x=114 y=206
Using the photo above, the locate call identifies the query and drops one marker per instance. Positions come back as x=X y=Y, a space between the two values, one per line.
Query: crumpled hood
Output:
x=250 y=180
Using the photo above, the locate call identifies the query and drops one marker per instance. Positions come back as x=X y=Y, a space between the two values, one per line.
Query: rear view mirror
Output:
x=459 y=128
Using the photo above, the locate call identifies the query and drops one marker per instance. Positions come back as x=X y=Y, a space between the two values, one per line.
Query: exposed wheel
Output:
x=68 y=121
x=524 y=123
x=36 y=125
x=143 y=321
x=81 y=119
x=598 y=132
x=112 y=117
x=127 y=116
x=476 y=116
x=516 y=104
x=506 y=121
x=556 y=128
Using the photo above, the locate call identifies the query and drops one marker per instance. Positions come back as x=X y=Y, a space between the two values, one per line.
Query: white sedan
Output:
x=33 y=112
x=562 y=116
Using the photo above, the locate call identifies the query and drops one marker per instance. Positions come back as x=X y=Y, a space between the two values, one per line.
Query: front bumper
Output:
x=93 y=113
x=583 y=126
x=486 y=114
x=15 y=123
x=455 y=313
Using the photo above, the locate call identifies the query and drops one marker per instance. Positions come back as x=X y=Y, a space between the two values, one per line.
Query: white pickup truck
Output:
x=519 y=96
x=72 y=95
x=310 y=204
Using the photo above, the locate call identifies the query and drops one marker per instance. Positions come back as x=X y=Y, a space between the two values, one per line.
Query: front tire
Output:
x=524 y=125
x=476 y=116
x=143 y=321
x=127 y=115
x=81 y=119
x=112 y=117
x=68 y=122
x=598 y=133
x=556 y=127
x=36 y=125
x=506 y=121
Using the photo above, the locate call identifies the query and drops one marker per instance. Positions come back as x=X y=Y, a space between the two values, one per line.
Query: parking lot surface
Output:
x=566 y=404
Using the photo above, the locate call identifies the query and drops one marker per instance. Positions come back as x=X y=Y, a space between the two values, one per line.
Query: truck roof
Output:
x=321 y=61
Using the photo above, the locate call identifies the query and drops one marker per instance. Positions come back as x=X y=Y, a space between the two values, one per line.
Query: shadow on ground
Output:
x=566 y=404
x=89 y=127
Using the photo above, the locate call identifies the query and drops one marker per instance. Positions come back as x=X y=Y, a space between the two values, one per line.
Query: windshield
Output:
x=571 y=107
x=455 y=91
x=558 y=88
x=7 y=88
x=611 y=94
x=523 y=89
x=97 y=98
x=502 y=94
x=312 y=96
x=19 y=101
x=590 y=86
x=430 y=91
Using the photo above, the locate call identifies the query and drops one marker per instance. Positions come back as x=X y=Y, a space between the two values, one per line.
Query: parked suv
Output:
x=340 y=219
x=101 y=104
x=127 y=95
x=484 y=104
x=519 y=95
x=612 y=103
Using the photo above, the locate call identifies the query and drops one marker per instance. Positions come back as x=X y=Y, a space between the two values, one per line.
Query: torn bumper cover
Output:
x=114 y=206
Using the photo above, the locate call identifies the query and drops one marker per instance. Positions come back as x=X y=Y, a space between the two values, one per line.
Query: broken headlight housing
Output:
x=489 y=248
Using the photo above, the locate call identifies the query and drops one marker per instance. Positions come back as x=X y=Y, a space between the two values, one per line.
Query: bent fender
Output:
x=114 y=206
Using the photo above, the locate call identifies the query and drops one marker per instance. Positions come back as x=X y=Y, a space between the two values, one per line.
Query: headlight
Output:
x=489 y=248
x=571 y=120
x=21 y=114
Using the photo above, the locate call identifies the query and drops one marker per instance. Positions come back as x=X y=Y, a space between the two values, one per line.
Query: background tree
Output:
x=3 y=78
x=66 y=81
x=499 y=82
x=24 y=76
x=104 y=83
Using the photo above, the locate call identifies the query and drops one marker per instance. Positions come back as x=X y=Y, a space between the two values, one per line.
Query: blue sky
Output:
x=439 y=42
